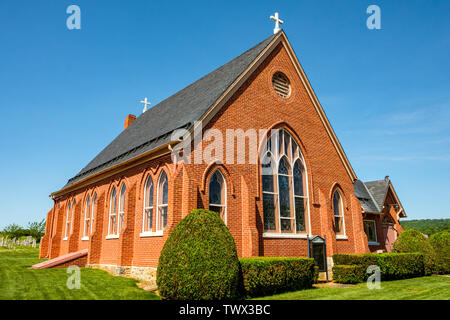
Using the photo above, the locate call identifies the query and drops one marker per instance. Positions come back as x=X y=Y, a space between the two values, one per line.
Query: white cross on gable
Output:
x=146 y=103
x=278 y=21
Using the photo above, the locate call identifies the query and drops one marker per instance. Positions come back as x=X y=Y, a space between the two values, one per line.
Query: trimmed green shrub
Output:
x=199 y=260
x=348 y=273
x=393 y=266
x=316 y=274
x=263 y=276
x=413 y=241
x=440 y=242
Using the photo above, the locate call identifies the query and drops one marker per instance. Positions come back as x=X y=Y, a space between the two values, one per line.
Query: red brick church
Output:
x=118 y=211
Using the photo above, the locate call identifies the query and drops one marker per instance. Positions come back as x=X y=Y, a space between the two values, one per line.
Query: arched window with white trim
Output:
x=284 y=185
x=148 y=205
x=163 y=197
x=72 y=217
x=112 y=225
x=87 y=217
x=338 y=209
x=122 y=194
x=68 y=218
x=93 y=207
x=218 y=195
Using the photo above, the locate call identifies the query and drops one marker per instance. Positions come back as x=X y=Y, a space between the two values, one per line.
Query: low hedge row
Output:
x=393 y=266
x=348 y=273
x=267 y=276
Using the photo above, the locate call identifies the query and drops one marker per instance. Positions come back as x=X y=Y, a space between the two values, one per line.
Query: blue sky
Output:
x=65 y=93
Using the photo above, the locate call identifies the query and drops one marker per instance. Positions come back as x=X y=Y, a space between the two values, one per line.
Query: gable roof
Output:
x=365 y=197
x=378 y=189
x=154 y=127
x=372 y=195
x=151 y=132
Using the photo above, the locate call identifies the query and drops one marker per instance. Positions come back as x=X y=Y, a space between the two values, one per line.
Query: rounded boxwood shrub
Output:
x=412 y=240
x=348 y=273
x=440 y=242
x=199 y=260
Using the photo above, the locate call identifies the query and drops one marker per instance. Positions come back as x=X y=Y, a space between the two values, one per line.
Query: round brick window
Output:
x=281 y=84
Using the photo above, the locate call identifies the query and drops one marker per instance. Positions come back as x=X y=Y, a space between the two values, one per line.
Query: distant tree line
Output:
x=34 y=229
x=427 y=226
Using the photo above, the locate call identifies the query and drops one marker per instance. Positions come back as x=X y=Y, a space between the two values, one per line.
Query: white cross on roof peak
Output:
x=146 y=103
x=278 y=21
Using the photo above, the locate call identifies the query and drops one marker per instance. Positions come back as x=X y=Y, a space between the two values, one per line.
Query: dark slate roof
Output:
x=154 y=127
x=378 y=189
x=365 y=197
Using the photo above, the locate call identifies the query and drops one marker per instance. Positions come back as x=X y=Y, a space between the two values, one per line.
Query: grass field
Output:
x=17 y=282
x=425 y=288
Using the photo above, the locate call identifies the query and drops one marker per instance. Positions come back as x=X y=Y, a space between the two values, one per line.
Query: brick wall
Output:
x=254 y=106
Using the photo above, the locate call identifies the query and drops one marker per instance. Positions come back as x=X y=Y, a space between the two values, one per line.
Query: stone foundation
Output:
x=330 y=265
x=147 y=274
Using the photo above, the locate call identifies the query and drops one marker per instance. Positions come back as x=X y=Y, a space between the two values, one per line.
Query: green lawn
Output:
x=19 y=282
x=425 y=288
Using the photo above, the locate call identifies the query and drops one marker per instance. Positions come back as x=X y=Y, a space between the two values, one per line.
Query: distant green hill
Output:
x=427 y=226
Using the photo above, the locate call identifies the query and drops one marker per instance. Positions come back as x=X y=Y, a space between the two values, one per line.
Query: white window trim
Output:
x=225 y=195
x=65 y=238
x=342 y=236
x=158 y=206
x=94 y=198
x=86 y=218
x=112 y=236
x=144 y=233
x=297 y=157
x=372 y=243
x=148 y=234
x=66 y=233
x=119 y=211
x=85 y=238
x=109 y=236
x=275 y=235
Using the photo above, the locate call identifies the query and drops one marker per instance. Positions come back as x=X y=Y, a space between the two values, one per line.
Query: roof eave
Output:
x=402 y=210
x=370 y=212
x=120 y=167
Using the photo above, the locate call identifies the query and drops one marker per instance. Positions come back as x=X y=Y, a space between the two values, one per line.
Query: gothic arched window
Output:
x=87 y=217
x=112 y=226
x=93 y=202
x=300 y=199
x=218 y=195
x=163 y=193
x=284 y=191
x=123 y=190
x=68 y=218
x=148 y=205
x=285 y=200
x=339 y=226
